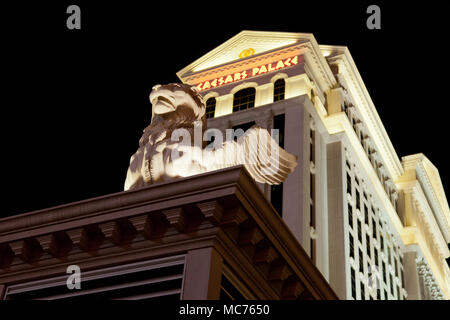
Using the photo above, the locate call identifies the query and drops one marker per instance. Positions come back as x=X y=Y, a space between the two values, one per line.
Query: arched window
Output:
x=210 y=107
x=244 y=99
x=278 y=90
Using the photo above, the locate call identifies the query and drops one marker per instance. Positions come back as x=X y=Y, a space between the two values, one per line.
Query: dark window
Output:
x=244 y=99
x=159 y=283
x=398 y=293
x=366 y=214
x=378 y=294
x=375 y=252
x=381 y=242
x=349 y=184
x=385 y=295
x=351 y=246
x=352 y=271
x=368 y=244
x=278 y=90
x=374 y=228
x=210 y=107
x=384 y=271
x=391 y=284
x=363 y=292
x=402 y=278
x=396 y=267
x=361 y=261
x=350 y=215
x=276 y=190
x=358 y=199
x=240 y=129
x=359 y=232
x=389 y=255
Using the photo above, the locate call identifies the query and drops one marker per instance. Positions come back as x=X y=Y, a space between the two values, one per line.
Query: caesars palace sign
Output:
x=256 y=71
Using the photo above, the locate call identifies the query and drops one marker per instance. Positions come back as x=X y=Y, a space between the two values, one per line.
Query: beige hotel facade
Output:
x=376 y=225
x=352 y=221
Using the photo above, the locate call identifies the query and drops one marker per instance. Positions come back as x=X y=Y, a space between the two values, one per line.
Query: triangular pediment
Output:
x=243 y=45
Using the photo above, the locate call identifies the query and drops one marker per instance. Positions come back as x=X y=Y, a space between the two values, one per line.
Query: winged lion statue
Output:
x=173 y=145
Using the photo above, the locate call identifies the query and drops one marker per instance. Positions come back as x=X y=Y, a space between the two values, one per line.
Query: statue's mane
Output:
x=161 y=125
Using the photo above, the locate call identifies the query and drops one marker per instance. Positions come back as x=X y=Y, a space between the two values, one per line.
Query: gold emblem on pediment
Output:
x=246 y=52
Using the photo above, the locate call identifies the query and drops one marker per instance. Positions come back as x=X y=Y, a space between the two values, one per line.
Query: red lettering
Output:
x=229 y=79
x=206 y=85
x=263 y=69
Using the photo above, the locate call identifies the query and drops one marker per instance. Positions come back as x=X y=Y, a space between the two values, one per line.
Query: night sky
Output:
x=74 y=102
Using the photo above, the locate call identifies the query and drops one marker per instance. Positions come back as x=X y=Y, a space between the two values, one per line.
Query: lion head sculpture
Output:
x=162 y=156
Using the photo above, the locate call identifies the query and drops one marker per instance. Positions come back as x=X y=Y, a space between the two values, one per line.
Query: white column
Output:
x=297 y=86
x=224 y=105
x=264 y=94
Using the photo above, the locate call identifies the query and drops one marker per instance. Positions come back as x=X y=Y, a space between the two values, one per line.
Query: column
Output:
x=264 y=94
x=224 y=105
x=297 y=86
x=296 y=186
x=336 y=232
x=203 y=272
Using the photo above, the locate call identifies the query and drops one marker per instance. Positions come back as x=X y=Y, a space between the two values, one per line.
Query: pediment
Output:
x=242 y=46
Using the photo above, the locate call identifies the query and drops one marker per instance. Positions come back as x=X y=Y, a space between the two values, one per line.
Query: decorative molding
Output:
x=366 y=107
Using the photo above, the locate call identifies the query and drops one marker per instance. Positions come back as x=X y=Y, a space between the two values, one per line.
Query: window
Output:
x=244 y=99
x=361 y=261
x=368 y=244
x=384 y=272
x=350 y=215
x=363 y=292
x=210 y=107
x=396 y=267
x=381 y=242
x=366 y=215
x=278 y=90
x=276 y=190
x=391 y=282
x=352 y=271
x=402 y=277
x=359 y=232
x=349 y=184
x=374 y=228
x=389 y=255
x=358 y=205
x=239 y=130
x=351 y=245
x=375 y=252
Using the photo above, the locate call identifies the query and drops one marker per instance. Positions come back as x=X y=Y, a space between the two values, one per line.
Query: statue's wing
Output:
x=261 y=155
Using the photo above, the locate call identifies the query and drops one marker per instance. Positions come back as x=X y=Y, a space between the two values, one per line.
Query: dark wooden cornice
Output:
x=223 y=209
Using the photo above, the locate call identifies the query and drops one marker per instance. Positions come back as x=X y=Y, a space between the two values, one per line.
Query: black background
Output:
x=74 y=102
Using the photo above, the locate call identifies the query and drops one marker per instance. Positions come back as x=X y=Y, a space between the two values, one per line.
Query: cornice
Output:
x=428 y=175
x=426 y=215
x=368 y=111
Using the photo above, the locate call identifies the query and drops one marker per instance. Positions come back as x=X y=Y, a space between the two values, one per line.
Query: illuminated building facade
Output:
x=375 y=225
